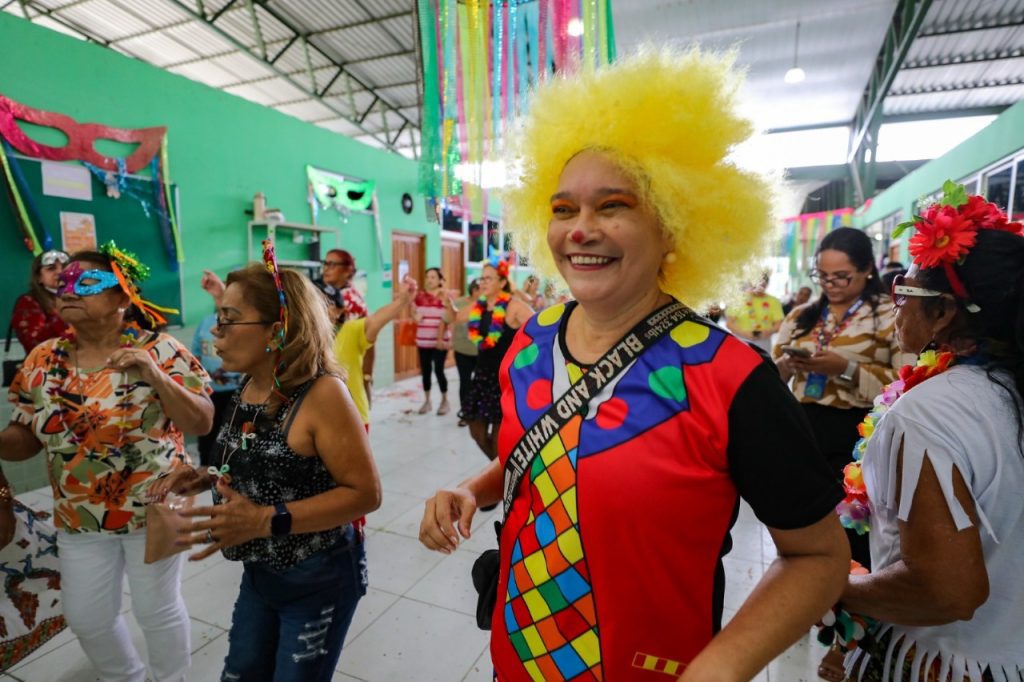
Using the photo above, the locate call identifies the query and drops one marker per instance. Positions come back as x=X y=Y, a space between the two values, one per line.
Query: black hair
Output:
x=890 y=276
x=993 y=275
x=857 y=247
x=472 y=284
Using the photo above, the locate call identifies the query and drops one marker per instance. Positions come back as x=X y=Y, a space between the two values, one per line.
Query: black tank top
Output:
x=267 y=472
x=488 y=360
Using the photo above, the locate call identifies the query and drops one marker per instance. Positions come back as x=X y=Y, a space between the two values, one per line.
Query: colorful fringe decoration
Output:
x=480 y=59
x=130 y=271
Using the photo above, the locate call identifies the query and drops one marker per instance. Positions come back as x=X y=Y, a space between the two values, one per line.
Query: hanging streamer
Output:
x=172 y=213
x=34 y=217
x=31 y=242
x=480 y=58
x=162 y=214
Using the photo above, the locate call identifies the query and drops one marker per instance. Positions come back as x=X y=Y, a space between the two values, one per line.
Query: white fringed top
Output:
x=960 y=419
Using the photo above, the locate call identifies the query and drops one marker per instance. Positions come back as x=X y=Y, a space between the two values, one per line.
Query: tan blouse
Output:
x=868 y=339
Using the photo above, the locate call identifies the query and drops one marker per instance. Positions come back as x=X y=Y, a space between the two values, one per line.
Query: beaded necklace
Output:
x=248 y=433
x=497 y=321
x=66 y=343
x=855 y=509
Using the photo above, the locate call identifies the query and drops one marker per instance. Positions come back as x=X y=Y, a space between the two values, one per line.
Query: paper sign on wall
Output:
x=78 y=232
x=65 y=180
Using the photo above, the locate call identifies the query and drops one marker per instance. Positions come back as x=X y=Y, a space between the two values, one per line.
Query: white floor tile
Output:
x=370 y=609
x=482 y=670
x=396 y=562
x=393 y=505
x=210 y=596
x=449 y=585
x=414 y=641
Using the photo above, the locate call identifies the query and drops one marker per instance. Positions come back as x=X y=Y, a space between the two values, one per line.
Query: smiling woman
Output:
x=689 y=424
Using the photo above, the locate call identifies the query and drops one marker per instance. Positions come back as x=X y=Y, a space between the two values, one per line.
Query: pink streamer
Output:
x=506 y=61
x=542 y=39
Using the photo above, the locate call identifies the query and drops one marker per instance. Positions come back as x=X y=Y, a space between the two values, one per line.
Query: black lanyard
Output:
x=575 y=400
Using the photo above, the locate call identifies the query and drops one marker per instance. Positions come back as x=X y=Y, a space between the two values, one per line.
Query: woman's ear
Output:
x=945 y=314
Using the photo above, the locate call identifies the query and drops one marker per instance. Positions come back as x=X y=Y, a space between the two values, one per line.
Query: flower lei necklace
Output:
x=497 y=321
x=855 y=508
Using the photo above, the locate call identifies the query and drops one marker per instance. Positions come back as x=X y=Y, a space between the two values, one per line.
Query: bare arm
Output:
x=518 y=313
x=190 y=411
x=799 y=586
x=380 y=317
x=941 y=577
x=18 y=443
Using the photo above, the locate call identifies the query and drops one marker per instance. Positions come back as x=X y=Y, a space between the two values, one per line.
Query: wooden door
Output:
x=407 y=257
x=453 y=264
x=453 y=267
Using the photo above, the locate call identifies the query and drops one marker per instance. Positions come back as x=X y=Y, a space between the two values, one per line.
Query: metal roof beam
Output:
x=957 y=59
x=971 y=27
x=957 y=87
x=217 y=15
x=903 y=28
x=188 y=9
x=276 y=14
x=272 y=60
x=360 y=24
x=899 y=118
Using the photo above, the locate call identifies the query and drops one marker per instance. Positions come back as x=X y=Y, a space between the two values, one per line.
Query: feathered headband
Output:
x=500 y=264
x=130 y=271
x=949 y=229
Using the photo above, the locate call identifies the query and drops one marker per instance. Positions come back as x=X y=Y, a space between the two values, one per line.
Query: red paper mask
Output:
x=81 y=137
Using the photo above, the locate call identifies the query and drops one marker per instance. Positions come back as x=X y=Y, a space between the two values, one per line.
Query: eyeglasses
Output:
x=901 y=291
x=839 y=280
x=337 y=264
x=222 y=323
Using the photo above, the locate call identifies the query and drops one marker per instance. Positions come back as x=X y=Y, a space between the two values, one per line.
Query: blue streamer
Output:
x=513 y=52
x=162 y=217
x=26 y=197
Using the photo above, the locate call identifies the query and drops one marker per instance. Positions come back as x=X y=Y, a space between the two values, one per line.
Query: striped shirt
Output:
x=429 y=318
x=867 y=338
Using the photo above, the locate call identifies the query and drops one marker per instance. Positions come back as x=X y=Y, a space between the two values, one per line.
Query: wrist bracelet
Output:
x=6 y=493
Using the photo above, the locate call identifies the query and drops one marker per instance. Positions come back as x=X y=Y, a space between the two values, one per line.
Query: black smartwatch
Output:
x=281 y=521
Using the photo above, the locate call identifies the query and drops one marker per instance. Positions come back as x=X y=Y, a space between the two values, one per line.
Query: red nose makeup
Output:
x=577 y=236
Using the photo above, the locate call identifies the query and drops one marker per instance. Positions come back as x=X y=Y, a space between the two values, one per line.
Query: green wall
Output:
x=223 y=149
x=1002 y=137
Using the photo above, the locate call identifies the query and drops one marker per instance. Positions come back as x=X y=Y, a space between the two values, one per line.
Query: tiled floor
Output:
x=416 y=623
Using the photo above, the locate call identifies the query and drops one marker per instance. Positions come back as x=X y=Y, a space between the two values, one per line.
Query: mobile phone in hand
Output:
x=796 y=351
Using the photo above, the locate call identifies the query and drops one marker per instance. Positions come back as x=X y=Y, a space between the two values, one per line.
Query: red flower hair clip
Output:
x=949 y=229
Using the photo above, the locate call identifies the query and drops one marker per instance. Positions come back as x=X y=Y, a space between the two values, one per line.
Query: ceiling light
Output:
x=795 y=74
x=575 y=27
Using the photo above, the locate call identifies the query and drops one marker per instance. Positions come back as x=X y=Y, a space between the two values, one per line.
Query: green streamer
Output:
x=610 y=31
x=590 y=30
x=430 y=143
x=171 y=212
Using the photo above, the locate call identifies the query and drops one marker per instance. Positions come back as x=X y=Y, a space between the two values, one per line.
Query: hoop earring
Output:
x=268 y=350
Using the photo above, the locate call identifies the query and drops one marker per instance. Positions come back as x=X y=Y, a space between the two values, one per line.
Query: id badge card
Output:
x=815 y=387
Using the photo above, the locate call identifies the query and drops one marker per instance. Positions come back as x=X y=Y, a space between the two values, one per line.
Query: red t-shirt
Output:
x=610 y=553
x=430 y=310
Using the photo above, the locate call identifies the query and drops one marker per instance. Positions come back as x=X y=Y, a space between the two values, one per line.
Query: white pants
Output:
x=92 y=567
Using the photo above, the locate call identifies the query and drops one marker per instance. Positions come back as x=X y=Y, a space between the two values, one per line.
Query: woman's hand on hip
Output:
x=442 y=511
x=232 y=522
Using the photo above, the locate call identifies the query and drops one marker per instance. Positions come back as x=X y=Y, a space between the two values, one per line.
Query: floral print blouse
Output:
x=104 y=431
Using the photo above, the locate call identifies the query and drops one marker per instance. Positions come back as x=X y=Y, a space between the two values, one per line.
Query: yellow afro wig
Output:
x=668 y=119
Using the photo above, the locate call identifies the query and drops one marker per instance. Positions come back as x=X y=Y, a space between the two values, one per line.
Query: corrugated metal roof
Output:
x=968 y=55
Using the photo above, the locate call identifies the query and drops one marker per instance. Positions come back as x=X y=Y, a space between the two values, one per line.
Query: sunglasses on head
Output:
x=900 y=291
x=53 y=257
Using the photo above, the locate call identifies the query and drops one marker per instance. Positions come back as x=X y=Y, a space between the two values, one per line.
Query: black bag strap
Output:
x=10 y=330
x=576 y=399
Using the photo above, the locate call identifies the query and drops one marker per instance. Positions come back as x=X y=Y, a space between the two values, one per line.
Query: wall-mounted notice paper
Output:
x=66 y=180
x=78 y=231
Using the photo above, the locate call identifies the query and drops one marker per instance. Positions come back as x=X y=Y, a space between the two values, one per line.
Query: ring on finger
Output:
x=209 y=537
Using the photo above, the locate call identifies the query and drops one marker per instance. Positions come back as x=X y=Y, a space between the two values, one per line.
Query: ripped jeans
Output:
x=290 y=626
